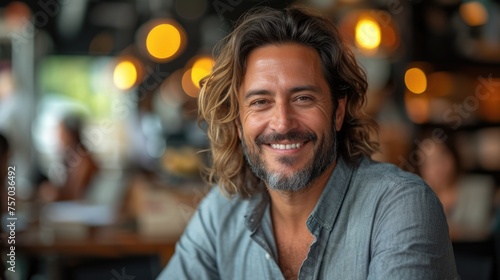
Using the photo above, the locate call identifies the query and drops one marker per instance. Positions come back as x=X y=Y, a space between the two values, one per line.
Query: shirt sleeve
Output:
x=410 y=236
x=195 y=254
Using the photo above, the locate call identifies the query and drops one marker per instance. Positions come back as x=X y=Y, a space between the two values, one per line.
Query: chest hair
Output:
x=292 y=251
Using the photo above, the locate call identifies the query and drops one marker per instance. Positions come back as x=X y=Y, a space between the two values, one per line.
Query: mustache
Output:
x=293 y=135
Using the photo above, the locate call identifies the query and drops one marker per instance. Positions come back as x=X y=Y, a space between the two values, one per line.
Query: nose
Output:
x=283 y=118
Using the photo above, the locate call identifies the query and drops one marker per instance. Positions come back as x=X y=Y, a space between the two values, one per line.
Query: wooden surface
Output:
x=112 y=243
x=151 y=220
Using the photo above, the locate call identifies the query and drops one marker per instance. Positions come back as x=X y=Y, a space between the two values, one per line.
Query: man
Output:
x=290 y=147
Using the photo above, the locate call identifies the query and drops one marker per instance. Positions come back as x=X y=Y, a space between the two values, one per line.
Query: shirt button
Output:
x=268 y=256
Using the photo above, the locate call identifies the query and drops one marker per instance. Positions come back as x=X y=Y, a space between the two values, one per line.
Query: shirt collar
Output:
x=326 y=210
x=328 y=206
x=257 y=206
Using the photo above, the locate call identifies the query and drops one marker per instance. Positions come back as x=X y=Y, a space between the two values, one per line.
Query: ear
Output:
x=340 y=113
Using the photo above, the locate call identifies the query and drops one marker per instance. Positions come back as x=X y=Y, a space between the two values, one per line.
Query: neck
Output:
x=293 y=208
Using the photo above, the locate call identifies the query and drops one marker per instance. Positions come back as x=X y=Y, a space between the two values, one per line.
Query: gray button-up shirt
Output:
x=373 y=221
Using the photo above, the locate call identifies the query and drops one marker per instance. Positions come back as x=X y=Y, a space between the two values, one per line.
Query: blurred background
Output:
x=98 y=119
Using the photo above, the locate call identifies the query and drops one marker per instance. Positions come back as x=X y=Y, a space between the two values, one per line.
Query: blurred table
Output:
x=101 y=243
x=155 y=217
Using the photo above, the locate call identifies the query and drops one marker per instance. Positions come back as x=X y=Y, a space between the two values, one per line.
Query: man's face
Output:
x=286 y=115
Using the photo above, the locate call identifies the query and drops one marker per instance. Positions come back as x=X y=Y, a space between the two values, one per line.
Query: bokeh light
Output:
x=202 y=66
x=125 y=75
x=164 y=39
x=370 y=31
x=415 y=80
x=474 y=13
x=368 y=34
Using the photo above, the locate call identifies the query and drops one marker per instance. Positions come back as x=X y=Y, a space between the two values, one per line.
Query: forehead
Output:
x=288 y=53
x=283 y=64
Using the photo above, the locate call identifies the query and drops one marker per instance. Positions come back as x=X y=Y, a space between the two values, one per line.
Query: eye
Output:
x=259 y=103
x=304 y=98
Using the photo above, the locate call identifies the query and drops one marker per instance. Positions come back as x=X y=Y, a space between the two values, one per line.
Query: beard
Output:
x=323 y=157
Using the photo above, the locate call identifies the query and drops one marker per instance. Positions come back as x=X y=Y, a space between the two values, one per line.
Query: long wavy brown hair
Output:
x=218 y=99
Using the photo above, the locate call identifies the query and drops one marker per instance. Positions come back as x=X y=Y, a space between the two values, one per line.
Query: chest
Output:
x=292 y=251
x=338 y=253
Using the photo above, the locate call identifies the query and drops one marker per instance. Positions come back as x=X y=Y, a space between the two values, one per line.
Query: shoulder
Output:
x=385 y=186
x=218 y=208
x=216 y=201
x=386 y=177
x=406 y=219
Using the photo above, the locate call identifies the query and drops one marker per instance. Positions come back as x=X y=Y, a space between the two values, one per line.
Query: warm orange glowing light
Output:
x=368 y=34
x=473 y=13
x=164 y=41
x=125 y=75
x=201 y=68
x=415 y=80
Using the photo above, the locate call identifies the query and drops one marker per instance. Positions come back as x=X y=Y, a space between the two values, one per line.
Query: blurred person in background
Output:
x=7 y=93
x=468 y=204
x=10 y=104
x=79 y=167
x=298 y=196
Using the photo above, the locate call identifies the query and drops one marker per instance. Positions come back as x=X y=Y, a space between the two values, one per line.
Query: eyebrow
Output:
x=254 y=92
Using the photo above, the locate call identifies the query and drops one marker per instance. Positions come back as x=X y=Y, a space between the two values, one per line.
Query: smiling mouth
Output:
x=286 y=146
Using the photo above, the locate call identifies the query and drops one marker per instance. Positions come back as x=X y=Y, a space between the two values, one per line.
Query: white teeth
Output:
x=286 y=147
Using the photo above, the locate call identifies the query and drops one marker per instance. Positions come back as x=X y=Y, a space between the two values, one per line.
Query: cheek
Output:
x=324 y=115
x=319 y=122
x=251 y=126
